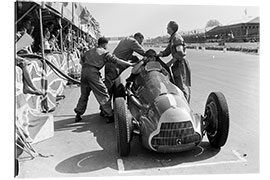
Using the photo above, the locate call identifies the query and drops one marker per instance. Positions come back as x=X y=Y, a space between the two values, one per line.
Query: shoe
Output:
x=110 y=119
x=78 y=118
x=102 y=113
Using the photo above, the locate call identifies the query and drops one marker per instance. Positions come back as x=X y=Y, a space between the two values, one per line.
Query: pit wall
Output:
x=251 y=49
x=33 y=112
x=237 y=47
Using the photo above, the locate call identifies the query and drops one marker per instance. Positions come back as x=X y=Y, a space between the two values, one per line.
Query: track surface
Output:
x=88 y=148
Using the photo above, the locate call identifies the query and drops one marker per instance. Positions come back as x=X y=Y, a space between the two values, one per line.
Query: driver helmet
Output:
x=151 y=55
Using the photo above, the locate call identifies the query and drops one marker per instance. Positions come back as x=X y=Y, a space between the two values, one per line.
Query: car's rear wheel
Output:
x=217 y=119
x=123 y=126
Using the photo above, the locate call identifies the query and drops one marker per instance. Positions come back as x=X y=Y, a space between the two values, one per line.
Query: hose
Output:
x=53 y=67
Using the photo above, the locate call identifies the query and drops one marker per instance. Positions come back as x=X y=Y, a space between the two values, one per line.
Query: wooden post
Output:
x=27 y=12
x=61 y=34
x=41 y=32
x=72 y=12
x=43 y=77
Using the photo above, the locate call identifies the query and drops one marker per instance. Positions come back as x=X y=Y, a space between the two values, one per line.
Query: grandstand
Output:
x=244 y=30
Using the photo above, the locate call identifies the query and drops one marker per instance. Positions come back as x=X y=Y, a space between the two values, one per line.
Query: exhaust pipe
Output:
x=133 y=99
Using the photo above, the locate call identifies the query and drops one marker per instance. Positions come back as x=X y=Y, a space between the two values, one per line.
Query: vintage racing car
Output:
x=156 y=110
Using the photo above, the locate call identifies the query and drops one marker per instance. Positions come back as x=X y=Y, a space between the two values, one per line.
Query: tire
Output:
x=217 y=119
x=123 y=126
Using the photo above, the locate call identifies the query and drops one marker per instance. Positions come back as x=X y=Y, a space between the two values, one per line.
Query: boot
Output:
x=110 y=119
x=102 y=113
x=78 y=118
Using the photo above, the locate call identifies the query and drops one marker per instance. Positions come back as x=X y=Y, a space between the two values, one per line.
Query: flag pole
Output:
x=43 y=78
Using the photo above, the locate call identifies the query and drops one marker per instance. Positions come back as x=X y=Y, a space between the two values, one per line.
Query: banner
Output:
x=77 y=10
x=55 y=5
x=67 y=10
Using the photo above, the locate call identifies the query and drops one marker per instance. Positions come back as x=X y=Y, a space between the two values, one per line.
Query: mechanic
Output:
x=180 y=66
x=92 y=61
x=150 y=55
x=123 y=50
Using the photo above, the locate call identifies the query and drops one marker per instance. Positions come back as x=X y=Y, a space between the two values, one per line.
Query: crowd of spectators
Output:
x=73 y=40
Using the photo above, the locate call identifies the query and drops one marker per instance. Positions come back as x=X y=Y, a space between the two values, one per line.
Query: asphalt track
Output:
x=88 y=148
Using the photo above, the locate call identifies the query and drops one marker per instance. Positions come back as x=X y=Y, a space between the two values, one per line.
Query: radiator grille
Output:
x=175 y=134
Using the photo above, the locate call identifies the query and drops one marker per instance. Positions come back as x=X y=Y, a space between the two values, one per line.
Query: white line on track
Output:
x=120 y=165
x=79 y=163
x=238 y=155
x=202 y=150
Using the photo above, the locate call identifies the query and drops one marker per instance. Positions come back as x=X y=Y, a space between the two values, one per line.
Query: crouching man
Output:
x=92 y=61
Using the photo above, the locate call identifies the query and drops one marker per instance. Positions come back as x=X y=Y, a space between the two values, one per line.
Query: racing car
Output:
x=156 y=110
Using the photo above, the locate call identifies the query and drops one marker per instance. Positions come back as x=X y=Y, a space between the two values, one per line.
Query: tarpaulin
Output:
x=29 y=119
x=29 y=107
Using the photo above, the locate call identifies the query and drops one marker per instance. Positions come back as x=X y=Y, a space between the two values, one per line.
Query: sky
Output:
x=120 y=19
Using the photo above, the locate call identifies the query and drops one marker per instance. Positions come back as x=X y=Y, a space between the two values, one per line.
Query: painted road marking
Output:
x=120 y=165
x=79 y=163
x=240 y=159
x=202 y=150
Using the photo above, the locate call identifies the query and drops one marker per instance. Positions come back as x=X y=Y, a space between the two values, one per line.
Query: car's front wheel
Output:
x=123 y=126
x=216 y=119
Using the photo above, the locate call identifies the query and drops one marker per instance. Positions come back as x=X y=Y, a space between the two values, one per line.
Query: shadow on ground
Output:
x=139 y=158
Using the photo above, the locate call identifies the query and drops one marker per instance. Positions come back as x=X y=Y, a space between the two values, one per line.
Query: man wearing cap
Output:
x=92 y=61
x=180 y=66
x=124 y=50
